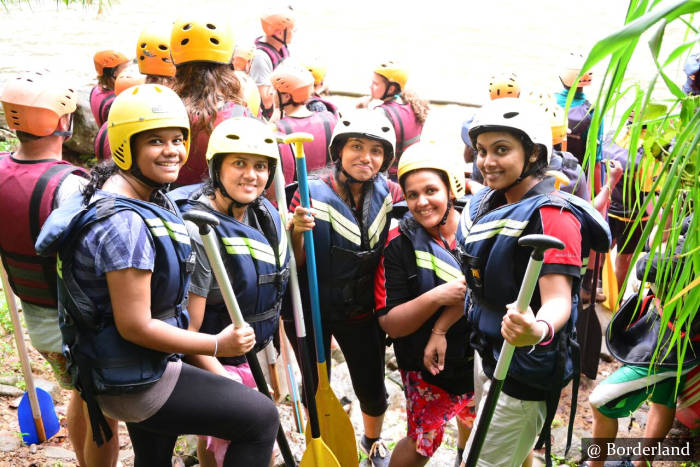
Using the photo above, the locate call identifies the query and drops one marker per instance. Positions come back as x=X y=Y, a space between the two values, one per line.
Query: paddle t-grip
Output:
x=201 y=219
x=540 y=244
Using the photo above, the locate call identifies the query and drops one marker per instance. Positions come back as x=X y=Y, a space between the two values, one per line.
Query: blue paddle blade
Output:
x=48 y=417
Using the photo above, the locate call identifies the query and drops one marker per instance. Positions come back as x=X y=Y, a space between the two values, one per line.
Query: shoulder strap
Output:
x=38 y=194
x=395 y=118
x=104 y=103
x=327 y=129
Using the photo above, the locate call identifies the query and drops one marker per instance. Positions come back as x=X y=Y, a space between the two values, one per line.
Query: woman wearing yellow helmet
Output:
x=125 y=263
x=202 y=50
x=421 y=290
x=406 y=111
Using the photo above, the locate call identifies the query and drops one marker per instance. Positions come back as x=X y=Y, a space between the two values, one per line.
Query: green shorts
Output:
x=623 y=392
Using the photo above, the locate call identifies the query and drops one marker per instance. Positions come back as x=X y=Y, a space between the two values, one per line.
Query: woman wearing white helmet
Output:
x=125 y=262
x=352 y=206
x=421 y=289
x=513 y=141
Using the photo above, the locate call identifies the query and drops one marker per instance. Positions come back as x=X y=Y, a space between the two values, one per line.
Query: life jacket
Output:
x=29 y=189
x=257 y=263
x=99 y=359
x=566 y=163
x=195 y=168
x=489 y=243
x=276 y=56
x=348 y=251
x=102 y=150
x=100 y=102
x=407 y=128
x=434 y=266
x=330 y=107
x=320 y=125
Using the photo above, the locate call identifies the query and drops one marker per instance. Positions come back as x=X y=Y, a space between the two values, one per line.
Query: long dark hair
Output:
x=98 y=176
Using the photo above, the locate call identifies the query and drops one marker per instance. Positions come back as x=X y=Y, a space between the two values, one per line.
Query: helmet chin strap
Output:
x=283 y=41
x=350 y=179
x=443 y=221
x=234 y=204
x=136 y=172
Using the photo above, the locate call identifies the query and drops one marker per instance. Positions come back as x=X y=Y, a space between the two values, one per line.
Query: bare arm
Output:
x=195 y=308
x=435 y=349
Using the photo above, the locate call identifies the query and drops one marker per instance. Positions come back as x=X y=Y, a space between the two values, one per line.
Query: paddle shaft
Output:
x=217 y=265
x=532 y=274
x=306 y=365
x=291 y=380
x=23 y=356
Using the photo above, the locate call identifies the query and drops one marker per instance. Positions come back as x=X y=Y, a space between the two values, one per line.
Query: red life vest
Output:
x=102 y=149
x=276 y=56
x=320 y=125
x=100 y=102
x=195 y=168
x=28 y=192
x=406 y=126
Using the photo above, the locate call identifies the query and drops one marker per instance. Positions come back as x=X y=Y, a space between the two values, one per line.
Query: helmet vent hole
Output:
x=346 y=122
x=70 y=90
x=143 y=45
x=233 y=137
x=142 y=58
x=214 y=40
x=269 y=140
x=385 y=129
x=184 y=41
x=13 y=111
x=511 y=114
x=211 y=26
x=187 y=27
x=31 y=81
x=163 y=47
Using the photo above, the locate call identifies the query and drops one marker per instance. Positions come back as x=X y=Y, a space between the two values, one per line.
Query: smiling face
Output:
x=426 y=196
x=160 y=153
x=500 y=158
x=244 y=176
x=362 y=157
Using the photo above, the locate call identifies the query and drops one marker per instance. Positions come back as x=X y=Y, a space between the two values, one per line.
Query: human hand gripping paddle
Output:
x=336 y=428
x=204 y=221
x=317 y=452
x=539 y=244
x=37 y=417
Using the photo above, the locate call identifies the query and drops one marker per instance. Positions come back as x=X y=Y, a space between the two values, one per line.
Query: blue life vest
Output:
x=347 y=251
x=99 y=359
x=434 y=266
x=257 y=263
x=488 y=244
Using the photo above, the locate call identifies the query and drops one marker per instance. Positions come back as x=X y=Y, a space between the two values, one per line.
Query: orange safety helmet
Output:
x=128 y=78
x=294 y=79
x=504 y=85
x=153 y=51
x=198 y=40
x=572 y=68
x=108 y=59
x=394 y=73
x=277 y=19
x=242 y=56
x=34 y=102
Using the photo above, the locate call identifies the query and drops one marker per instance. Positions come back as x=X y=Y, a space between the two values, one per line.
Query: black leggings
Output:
x=203 y=403
x=363 y=345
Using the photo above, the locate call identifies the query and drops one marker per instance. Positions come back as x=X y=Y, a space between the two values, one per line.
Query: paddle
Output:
x=317 y=452
x=204 y=221
x=539 y=244
x=291 y=380
x=590 y=335
x=36 y=414
x=336 y=428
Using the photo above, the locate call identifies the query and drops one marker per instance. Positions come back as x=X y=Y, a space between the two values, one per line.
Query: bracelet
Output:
x=438 y=332
x=216 y=346
x=550 y=333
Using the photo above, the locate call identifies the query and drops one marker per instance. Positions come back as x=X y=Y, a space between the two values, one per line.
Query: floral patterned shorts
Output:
x=59 y=366
x=429 y=408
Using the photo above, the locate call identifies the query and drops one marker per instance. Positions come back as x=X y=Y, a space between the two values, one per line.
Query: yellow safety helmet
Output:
x=153 y=51
x=504 y=85
x=250 y=91
x=429 y=155
x=142 y=108
x=34 y=102
x=546 y=102
x=394 y=73
x=317 y=70
x=243 y=135
x=202 y=40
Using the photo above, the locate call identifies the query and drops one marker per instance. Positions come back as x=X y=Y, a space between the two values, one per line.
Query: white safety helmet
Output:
x=514 y=114
x=371 y=124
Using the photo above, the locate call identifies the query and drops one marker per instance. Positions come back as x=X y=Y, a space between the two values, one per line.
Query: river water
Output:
x=450 y=47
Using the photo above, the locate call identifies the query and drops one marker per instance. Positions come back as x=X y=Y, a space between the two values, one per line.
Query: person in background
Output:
x=318 y=102
x=242 y=61
x=108 y=65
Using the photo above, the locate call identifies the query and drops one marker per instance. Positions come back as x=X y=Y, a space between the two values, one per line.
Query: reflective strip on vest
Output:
x=377 y=226
x=508 y=227
x=441 y=269
x=160 y=228
x=339 y=223
x=248 y=246
x=584 y=265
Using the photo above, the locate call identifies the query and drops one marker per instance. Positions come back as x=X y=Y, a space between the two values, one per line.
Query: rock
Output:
x=559 y=442
x=9 y=441
x=126 y=454
x=7 y=390
x=14 y=403
x=32 y=449
x=48 y=386
x=54 y=452
x=10 y=380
